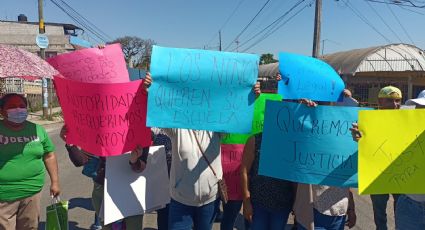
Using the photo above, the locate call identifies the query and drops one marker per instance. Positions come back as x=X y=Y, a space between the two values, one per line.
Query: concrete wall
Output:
x=23 y=35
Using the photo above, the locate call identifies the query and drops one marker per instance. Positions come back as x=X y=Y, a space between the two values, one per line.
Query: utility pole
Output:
x=219 y=38
x=41 y=30
x=237 y=45
x=317 y=23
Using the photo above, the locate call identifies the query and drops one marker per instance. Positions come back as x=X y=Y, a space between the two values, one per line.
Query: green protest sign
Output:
x=257 y=121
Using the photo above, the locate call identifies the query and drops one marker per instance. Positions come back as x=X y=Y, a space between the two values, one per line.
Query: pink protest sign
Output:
x=104 y=119
x=93 y=65
x=231 y=159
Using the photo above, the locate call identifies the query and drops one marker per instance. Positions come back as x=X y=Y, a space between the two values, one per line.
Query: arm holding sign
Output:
x=147 y=82
x=307 y=102
x=355 y=133
x=247 y=160
x=77 y=157
x=138 y=159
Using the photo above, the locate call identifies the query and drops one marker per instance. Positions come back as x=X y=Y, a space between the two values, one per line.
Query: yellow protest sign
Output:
x=392 y=151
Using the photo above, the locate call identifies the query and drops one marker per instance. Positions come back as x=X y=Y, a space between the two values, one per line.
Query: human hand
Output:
x=307 y=102
x=257 y=88
x=54 y=189
x=63 y=133
x=147 y=81
x=247 y=209
x=347 y=93
x=136 y=154
x=355 y=133
x=278 y=77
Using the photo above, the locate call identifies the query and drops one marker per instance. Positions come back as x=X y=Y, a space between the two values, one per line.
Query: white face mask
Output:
x=18 y=115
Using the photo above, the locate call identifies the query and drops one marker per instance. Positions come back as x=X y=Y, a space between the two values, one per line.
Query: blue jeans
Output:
x=325 y=222
x=379 y=203
x=266 y=219
x=183 y=217
x=410 y=214
x=230 y=213
x=162 y=218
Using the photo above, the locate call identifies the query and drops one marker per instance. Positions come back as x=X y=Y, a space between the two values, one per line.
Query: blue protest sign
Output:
x=311 y=145
x=203 y=90
x=307 y=77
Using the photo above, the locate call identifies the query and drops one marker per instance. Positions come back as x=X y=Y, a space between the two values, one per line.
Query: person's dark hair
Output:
x=8 y=96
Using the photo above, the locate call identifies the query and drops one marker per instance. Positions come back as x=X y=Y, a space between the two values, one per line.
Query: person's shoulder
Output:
x=32 y=125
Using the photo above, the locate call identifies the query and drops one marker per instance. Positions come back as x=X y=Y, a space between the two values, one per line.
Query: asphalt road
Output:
x=77 y=188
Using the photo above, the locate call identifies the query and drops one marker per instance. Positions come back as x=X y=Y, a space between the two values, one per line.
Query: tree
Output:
x=137 y=51
x=267 y=59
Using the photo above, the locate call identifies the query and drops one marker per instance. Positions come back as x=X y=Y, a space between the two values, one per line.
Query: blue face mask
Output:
x=18 y=115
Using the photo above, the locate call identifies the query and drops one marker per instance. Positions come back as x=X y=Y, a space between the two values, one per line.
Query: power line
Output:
x=271 y=10
x=81 y=23
x=273 y=24
x=85 y=19
x=408 y=9
x=246 y=27
x=227 y=21
x=270 y=33
x=364 y=19
x=401 y=25
x=382 y=19
x=400 y=3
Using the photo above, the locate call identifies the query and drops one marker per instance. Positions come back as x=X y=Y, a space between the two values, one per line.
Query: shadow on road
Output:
x=81 y=203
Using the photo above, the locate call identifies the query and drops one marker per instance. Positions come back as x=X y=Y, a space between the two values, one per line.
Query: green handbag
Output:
x=57 y=215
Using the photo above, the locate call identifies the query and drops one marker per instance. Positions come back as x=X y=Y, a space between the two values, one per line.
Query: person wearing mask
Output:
x=25 y=151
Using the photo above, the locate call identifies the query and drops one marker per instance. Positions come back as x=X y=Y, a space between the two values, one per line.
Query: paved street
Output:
x=77 y=189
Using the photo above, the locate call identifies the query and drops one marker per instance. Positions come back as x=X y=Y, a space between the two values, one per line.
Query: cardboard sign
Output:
x=202 y=90
x=307 y=77
x=392 y=152
x=311 y=145
x=128 y=193
x=104 y=119
x=93 y=65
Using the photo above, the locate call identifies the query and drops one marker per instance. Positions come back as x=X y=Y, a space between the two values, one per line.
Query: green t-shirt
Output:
x=21 y=161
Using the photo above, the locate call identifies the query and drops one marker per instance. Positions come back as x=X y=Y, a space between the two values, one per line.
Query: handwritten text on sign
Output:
x=392 y=151
x=104 y=119
x=307 y=77
x=200 y=89
x=93 y=65
x=231 y=159
x=311 y=145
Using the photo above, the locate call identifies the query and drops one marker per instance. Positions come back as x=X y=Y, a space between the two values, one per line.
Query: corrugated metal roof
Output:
x=392 y=57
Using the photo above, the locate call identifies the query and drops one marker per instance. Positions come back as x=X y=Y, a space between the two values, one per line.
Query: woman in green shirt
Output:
x=25 y=150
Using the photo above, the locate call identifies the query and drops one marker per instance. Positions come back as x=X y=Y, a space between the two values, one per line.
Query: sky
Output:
x=195 y=23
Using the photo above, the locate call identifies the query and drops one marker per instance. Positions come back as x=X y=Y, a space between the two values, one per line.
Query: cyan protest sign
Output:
x=307 y=77
x=311 y=145
x=203 y=90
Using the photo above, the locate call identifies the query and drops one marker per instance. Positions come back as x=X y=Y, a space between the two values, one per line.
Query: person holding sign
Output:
x=195 y=171
x=409 y=211
x=267 y=201
x=389 y=97
x=137 y=163
x=25 y=149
